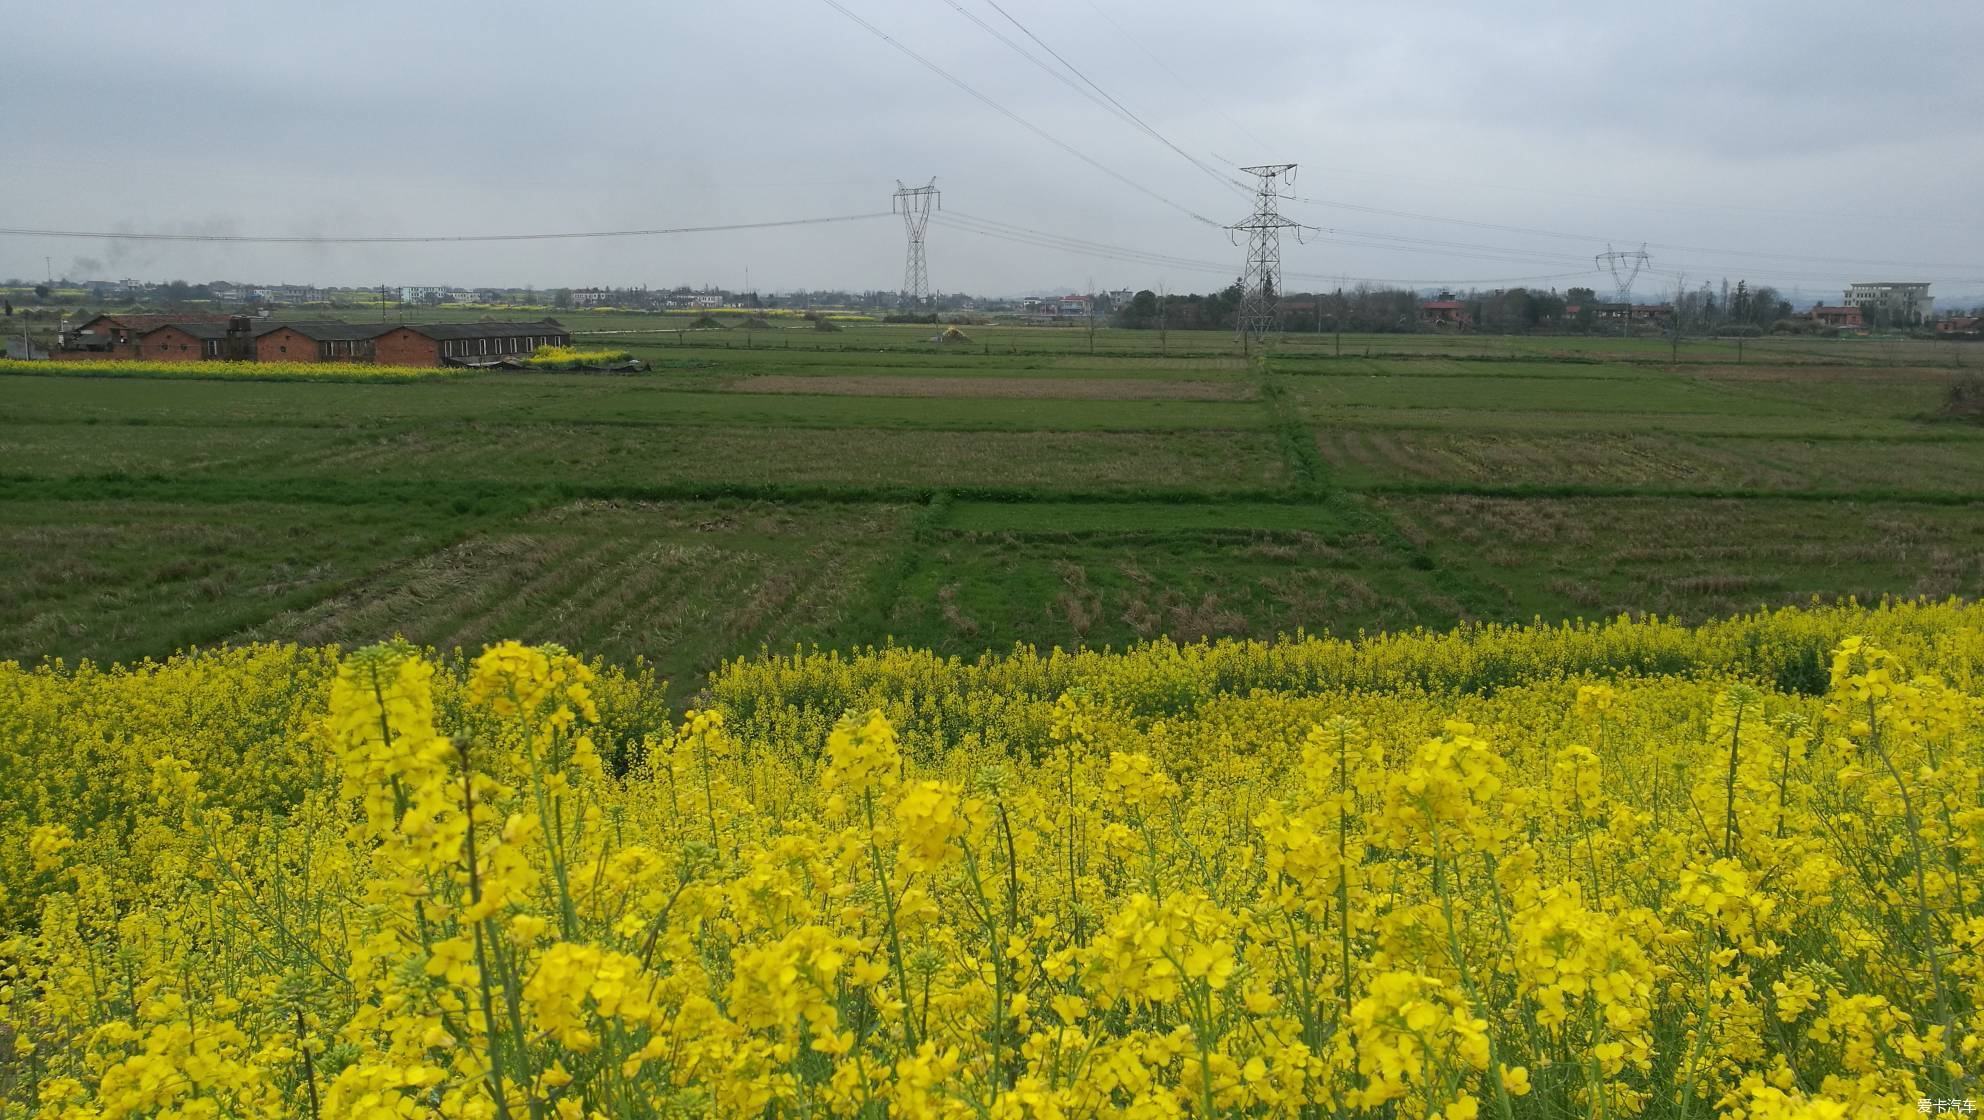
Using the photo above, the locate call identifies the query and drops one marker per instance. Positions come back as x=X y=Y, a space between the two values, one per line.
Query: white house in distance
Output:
x=1898 y=304
x=1061 y=307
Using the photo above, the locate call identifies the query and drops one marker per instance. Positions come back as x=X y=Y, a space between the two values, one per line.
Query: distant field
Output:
x=864 y=485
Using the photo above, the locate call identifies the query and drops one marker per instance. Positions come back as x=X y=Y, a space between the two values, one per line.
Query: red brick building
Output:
x=117 y=336
x=1444 y=313
x=465 y=344
x=284 y=343
x=321 y=342
x=1837 y=316
x=183 y=342
x=202 y=338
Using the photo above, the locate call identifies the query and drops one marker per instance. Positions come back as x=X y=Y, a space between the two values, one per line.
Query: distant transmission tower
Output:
x=915 y=204
x=1625 y=266
x=1260 y=285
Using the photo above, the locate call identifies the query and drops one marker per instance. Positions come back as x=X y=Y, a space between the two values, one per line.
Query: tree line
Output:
x=1368 y=308
x=1364 y=308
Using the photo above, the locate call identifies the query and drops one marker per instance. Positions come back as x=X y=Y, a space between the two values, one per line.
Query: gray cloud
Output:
x=1798 y=129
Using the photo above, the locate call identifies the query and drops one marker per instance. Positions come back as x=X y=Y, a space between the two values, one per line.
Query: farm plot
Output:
x=539 y=398
x=56 y=450
x=1062 y=388
x=1022 y=490
x=681 y=585
x=1382 y=458
x=582 y=455
x=1486 y=392
x=1516 y=558
x=1077 y=574
x=119 y=580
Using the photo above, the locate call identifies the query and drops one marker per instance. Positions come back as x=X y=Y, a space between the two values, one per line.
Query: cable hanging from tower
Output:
x=953 y=79
x=367 y=239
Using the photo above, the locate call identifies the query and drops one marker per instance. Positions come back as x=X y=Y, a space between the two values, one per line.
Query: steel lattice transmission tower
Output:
x=1260 y=284
x=1625 y=266
x=915 y=204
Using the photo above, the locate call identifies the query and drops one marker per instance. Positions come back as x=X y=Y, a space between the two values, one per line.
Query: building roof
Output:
x=440 y=331
x=331 y=330
x=196 y=329
x=327 y=330
x=143 y=323
x=1442 y=305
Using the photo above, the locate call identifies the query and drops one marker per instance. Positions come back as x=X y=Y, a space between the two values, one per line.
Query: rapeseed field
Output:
x=1627 y=869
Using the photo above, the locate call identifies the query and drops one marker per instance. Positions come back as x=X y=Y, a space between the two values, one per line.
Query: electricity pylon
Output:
x=1260 y=284
x=1625 y=266
x=915 y=204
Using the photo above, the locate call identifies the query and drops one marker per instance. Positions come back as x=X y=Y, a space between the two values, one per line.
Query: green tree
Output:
x=1586 y=300
x=1140 y=313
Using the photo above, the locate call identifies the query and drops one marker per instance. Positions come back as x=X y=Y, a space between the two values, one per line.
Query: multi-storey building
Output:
x=1892 y=304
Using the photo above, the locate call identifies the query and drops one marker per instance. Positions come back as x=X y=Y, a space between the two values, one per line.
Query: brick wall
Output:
x=285 y=345
x=169 y=344
x=403 y=347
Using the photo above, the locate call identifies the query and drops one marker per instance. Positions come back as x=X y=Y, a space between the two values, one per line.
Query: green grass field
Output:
x=791 y=486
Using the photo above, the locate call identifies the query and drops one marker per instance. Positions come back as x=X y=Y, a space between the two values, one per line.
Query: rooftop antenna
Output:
x=915 y=204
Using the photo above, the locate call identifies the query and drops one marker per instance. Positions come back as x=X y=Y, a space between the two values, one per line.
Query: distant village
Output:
x=179 y=321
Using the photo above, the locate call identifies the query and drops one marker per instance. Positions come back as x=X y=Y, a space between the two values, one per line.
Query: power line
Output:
x=1122 y=109
x=1176 y=76
x=1030 y=57
x=884 y=36
x=1561 y=235
x=990 y=228
x=1645 y=203
x=120 y=235
x=1023 y=235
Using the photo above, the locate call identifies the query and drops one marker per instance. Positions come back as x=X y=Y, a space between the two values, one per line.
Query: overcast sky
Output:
x=1785 y=142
